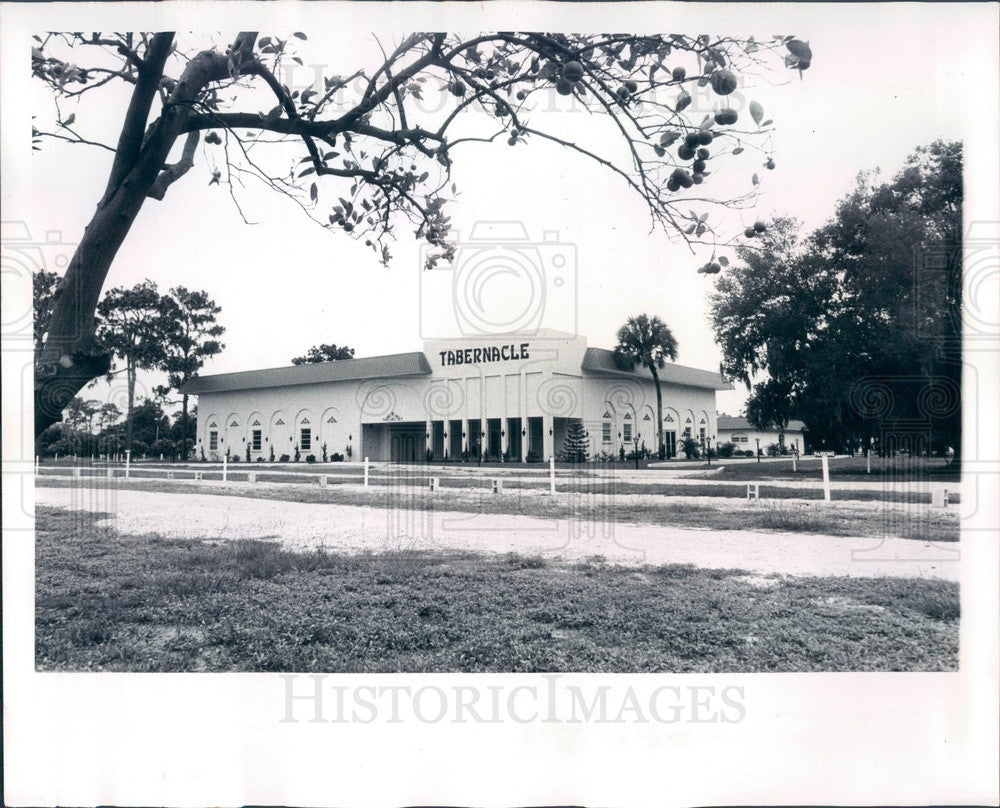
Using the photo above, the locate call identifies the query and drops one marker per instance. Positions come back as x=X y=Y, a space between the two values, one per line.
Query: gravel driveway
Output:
x=353 y=528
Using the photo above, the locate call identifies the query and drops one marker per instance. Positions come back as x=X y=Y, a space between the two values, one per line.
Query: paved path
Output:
x=351 y=528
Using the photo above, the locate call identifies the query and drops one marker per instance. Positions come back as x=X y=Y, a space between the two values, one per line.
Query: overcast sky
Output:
x=880 y=85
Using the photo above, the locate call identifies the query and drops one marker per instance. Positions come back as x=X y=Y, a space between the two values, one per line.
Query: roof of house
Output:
x=372 y=367
x=601 y=360
x=595 y=360
x=727 y=422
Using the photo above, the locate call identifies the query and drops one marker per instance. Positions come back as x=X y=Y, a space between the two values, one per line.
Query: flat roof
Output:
x=728 y=422
x=598 y=361
x=601 y=360
x=371 y=367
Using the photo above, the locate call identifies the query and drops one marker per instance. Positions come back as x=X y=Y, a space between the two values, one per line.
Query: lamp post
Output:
x=758 y=449
x=708 y=450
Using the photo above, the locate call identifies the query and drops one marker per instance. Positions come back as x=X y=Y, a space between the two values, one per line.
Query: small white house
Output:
x=738 y=431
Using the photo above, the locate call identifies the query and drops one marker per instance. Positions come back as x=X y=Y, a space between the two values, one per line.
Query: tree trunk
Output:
x=130 y=373
x=659 y=413
x=71 y=357
x=184 y=427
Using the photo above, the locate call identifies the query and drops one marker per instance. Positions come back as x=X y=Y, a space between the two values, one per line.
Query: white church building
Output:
x=507 y=398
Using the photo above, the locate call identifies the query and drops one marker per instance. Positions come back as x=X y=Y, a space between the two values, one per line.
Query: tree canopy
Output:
x=857 y=326
x=368 y=155
x=324 y=353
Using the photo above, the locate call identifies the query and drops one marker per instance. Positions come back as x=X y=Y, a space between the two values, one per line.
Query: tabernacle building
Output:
x=506 y=398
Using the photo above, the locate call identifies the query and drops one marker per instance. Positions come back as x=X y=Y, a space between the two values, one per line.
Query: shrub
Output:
x=272 y=453
x=712 y=454
x=284 y=458
x=774 y=450
x=139 y=448
x=325 y=455
x=691 y=449
x=298 y=456
x=336 y=457
x=164 y=446
x=748 y=452
x=533 y=457
x=310 y=458
x=260 y=460
x=726 y=449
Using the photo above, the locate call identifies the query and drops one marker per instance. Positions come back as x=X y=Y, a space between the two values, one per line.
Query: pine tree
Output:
x=576 y=444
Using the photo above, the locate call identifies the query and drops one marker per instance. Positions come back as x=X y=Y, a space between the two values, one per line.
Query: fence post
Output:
x=552 y=475
x=497 y=485
x=795 y=465
x=128 y=461
x=366 y=472
x=322 y=481
x=111 y=472
x=251 y=476
x=435 y=483
x=225 y=467
x=826 y=477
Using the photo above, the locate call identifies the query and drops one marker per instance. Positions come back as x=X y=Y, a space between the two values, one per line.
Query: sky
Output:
x=873 y=93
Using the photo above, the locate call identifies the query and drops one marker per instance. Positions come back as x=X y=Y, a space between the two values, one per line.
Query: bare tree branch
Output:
x=175 y=171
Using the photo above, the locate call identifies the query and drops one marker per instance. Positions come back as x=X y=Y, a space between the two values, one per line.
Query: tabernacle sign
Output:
x=494 y=353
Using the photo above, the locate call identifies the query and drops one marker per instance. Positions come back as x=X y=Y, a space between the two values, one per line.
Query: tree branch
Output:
x=175 y=171
x=134 y=125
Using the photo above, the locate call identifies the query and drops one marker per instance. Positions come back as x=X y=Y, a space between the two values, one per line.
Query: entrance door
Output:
x=670 y=441
x=406 y=445
x=493 y=436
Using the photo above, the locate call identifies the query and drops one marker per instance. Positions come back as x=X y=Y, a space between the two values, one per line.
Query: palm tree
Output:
x=649 y=342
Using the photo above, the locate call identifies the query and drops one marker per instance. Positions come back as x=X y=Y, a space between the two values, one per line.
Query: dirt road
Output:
x=354 y=528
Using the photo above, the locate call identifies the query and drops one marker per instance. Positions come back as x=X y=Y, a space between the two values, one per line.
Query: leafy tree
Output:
x=576 y=445
x=324 y=353
x=868 y=305
x=177 y=428
x=107 y=415
x=649 y=342
x=150 y=424
x=381 y=158
x=190 y=339
x=133 y=326
x=45 y=286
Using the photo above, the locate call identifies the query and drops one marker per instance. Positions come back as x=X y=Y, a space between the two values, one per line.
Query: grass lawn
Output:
x=106 y=601
x=847 y=469
x=594 y=502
